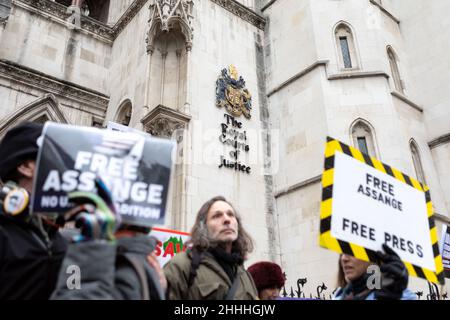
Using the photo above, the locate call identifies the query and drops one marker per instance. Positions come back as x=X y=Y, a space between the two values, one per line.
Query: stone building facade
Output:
x=371 y=73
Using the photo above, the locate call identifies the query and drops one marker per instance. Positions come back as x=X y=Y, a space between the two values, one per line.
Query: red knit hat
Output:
x=266 y=275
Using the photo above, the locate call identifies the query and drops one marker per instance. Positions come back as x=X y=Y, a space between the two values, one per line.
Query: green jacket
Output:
x=211 y=282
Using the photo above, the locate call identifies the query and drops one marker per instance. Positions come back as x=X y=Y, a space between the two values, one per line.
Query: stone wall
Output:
x=40 y=54
x=117 y=9
x=312 y=96
x=34 y=41
x=128 y=69
x=300 y=94
x=425 y=30
x=222 y=39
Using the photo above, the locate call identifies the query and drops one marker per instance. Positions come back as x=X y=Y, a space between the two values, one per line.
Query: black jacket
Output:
x=127 y=284
x=30 y=259
x=106 y=273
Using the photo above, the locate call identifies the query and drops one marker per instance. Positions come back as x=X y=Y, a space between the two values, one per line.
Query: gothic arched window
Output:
x=363 y=137
x=395 y=70
x=124 y=113
x=345 y=42
x=420 y=175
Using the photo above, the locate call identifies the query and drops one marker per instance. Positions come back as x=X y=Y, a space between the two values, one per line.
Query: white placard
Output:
x=370 y=208
x=170 y=243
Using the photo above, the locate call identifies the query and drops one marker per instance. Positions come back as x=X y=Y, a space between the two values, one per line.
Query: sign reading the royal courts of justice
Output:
x=366 y=203
x=233 y=96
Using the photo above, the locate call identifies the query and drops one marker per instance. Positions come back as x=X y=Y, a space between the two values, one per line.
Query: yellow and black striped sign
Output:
x=328 y=241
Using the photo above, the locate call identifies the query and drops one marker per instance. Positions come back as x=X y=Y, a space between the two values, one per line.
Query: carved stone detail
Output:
x=88 y=24
x=165 y=14
x=183 y=11
x=14 y=72
x=131 y=12
x=47 y=106
x=163 y=121
x=3 y=21
x=243 y=12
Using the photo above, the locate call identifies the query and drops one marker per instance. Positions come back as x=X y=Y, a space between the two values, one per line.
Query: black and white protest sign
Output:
x=366 y=203
x=371 y=208
x=136 y=168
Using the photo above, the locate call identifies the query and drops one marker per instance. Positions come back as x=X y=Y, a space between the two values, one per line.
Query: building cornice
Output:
x=442 y=218
x=163 y=121
x=357 y=74
x=344 y=76
x=270 y=3
x=298 y=76
x=385 y=11
x=381 y=7
x=403 y=98
x=242 y=12
x=60 y=14
x=131 y=12
x=337 y=76
x=109 y=34
x=298 y=186
x=14 y=72
x=444 y=139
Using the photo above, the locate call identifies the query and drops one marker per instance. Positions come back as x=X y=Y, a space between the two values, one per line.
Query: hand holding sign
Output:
x=94 y=214
x=394 y=275
x=135 y=167
x=367 y=204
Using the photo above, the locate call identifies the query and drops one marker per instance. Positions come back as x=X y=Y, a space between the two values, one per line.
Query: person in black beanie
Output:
x=31 y=248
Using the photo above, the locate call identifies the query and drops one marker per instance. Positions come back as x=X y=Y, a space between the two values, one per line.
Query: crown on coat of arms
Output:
x=232 y=94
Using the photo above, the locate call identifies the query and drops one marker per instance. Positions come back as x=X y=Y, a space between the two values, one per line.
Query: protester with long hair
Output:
x=212 y=268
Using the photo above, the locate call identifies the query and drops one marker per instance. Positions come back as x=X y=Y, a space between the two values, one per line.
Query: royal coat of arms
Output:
x=232 y=94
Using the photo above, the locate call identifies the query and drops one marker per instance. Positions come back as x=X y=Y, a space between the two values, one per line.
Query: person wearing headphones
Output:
x=31 y=248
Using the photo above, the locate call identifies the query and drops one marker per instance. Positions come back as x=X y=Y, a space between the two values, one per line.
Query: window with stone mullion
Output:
x=345 y=52
x=362 y=145
x=395 y=70
x=346 y=47
x=363 y=137
x=420 y=175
